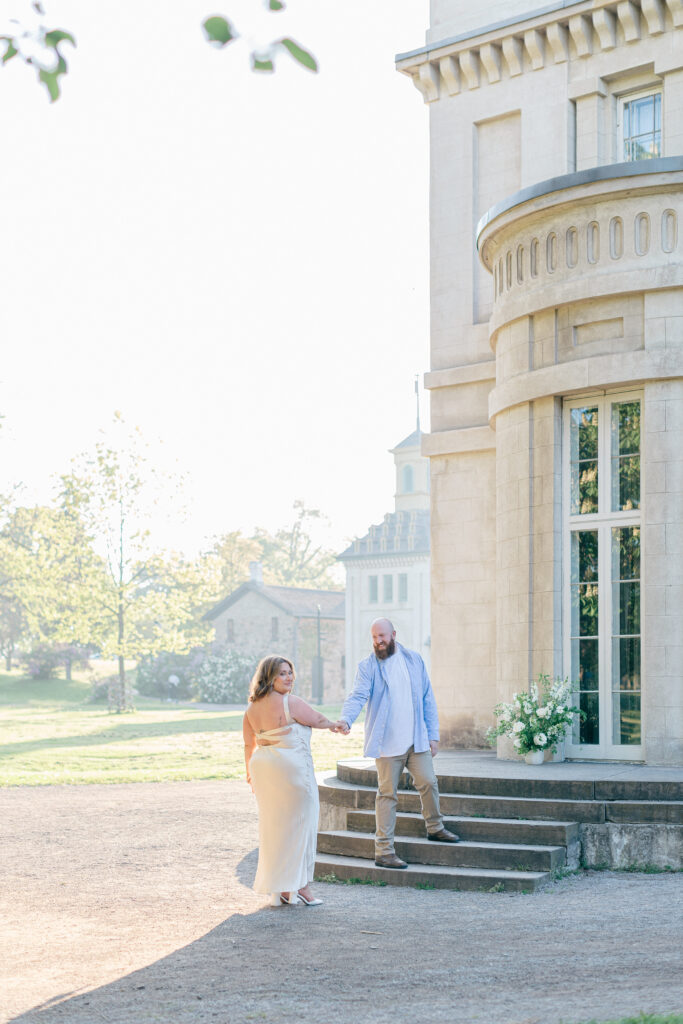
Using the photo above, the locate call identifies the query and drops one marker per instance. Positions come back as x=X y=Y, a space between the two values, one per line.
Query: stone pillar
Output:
x=662 y=553
x=592 y=135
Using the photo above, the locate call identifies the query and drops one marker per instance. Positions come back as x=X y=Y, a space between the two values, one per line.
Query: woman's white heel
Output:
x=291 y=900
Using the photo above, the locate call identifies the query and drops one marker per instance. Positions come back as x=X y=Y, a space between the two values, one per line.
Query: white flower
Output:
x=540 y=739
x=560 y=709
x=528 y=708
x=543 y=712
x=517 y=742
x=518 y=727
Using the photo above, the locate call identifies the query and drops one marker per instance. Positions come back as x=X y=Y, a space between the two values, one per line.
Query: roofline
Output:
x=559 y=5
x=260 y=588
x=606 y=172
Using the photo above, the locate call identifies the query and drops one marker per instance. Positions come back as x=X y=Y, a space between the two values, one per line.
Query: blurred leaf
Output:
x=58 y=36
x=51 y=79
x=218 y=30
x=11 y=50
x=276 y=5
x=261 y=65
x=299 y=54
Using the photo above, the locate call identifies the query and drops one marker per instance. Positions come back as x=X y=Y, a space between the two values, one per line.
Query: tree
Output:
x=116 y=487
x=29 y=38
x=50 y=576
x=291 y=557
x=226 y=565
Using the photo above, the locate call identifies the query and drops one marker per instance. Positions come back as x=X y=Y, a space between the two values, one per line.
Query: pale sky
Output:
x=238 y=263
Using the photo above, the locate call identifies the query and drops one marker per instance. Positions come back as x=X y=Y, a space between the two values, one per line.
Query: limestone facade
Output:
x=557 y=329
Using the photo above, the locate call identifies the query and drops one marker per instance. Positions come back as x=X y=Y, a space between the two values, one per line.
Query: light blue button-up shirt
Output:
x=371 y=687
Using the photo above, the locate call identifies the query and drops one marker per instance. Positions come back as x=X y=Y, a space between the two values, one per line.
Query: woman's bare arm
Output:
x=306 y=715
x=249 y=743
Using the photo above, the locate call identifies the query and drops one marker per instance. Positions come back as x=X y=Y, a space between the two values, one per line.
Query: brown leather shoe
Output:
x=443 y=836
x=390 y=860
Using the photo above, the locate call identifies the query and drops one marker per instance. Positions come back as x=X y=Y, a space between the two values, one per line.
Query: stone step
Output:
x=428 y=876
x=483 y=830
x=363 y=773
x=355 y=795
x=415 y=850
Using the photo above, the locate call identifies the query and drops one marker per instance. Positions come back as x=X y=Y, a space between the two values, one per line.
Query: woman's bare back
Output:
x=267 y=713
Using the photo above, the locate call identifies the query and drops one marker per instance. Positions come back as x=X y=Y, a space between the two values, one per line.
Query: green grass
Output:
x=51 y=735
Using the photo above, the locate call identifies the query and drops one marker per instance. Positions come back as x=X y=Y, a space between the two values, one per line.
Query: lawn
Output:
x=50 y=734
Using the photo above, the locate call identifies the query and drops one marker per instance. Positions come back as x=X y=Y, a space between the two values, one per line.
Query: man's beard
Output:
x=385 y=652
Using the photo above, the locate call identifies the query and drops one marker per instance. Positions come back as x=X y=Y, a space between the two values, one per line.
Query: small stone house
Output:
x=299 y=623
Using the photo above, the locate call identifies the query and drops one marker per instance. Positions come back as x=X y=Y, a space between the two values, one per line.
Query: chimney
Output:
x=256 y=573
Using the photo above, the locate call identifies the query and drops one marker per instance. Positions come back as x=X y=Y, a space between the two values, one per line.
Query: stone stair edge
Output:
x=539 y=823
x=412 y=875
x=464 y=843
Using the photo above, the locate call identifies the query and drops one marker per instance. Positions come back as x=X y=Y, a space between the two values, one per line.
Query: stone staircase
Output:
x=516 y=833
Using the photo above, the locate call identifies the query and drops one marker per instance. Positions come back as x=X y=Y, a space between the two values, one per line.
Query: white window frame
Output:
x=604 y=520
x=628 y=97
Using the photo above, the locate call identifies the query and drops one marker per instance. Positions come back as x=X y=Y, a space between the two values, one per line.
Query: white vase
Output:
x=534 y=757
x=558 y=755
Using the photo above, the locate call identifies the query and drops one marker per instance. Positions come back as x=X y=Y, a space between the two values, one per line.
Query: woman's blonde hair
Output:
x=264 y=676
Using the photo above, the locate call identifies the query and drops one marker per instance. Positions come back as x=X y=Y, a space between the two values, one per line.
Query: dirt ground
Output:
x=131 y=904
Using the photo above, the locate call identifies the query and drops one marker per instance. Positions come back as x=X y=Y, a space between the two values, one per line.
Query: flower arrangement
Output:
x=536 y=720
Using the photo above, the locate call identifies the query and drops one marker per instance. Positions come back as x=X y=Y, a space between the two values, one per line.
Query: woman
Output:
x=277 y=753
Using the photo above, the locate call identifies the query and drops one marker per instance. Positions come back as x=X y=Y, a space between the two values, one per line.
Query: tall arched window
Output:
x=408 y=484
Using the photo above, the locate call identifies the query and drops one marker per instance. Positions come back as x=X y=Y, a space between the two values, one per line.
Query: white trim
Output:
x=602 y=521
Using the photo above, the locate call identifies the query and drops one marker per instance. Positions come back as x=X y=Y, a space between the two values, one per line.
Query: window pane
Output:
x=403 y=586
x=643 y=127
x=584 y=461
x=585 y=650
x=372 y=589
x=626 y=635
x=626 y=718
x=588 y=730
x=388 y=588
x=625 y=456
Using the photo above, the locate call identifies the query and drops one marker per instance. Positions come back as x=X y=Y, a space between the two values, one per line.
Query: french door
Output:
x=602 y=574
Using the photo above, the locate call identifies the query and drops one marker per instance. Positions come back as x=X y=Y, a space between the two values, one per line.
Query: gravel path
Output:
x=130 y=904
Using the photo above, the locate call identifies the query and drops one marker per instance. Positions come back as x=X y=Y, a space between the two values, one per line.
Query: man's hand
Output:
x=343 y=728
x=434 y=747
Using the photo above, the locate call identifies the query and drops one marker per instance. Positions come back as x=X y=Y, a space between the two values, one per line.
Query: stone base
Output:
x=630 y=846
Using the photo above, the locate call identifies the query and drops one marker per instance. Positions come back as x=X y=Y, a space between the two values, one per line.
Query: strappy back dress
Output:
x=287 y=795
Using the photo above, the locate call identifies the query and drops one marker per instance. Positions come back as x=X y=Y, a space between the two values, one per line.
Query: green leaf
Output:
x=51 y=79
x=219 y=31
x=11 y=50
x=276 y=5
x=58 y=36
x=299 y=54
x=261 y=65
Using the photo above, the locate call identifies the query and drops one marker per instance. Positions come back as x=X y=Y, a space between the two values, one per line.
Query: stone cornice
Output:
x=625 y=368
x=554 y=35
x=465 y=439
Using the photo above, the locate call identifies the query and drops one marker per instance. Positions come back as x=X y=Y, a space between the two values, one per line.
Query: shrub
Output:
x=43 y=660
x=169 y=675
x=224 y=675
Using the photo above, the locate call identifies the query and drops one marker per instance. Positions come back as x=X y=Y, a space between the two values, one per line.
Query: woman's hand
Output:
x=339 y=726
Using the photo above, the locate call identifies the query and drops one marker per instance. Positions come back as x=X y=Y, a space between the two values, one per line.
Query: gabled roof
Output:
x=299 y=602
x=413 y=440
x=405 y=532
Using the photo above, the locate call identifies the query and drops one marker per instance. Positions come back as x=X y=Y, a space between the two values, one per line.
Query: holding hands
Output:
x=340 y=727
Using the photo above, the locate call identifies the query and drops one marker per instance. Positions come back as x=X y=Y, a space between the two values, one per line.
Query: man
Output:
x=401 y=730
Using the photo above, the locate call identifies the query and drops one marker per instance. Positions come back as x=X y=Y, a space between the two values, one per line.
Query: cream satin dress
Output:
x=287 y=795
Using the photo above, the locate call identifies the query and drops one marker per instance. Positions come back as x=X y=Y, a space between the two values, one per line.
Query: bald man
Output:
x=401 y=730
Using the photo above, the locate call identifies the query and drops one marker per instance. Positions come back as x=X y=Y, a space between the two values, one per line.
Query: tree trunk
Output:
x=68 y=670
x=122 y=703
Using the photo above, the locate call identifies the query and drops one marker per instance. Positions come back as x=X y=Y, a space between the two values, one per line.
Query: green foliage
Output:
x=38 y=47
x=168 y=675
x=219 y=32
x=536 y=720
x=223 y=677
x=291 y=557
x=299 y=54
x=645 y=1018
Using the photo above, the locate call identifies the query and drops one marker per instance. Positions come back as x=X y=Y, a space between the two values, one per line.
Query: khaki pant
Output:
x=389 y=770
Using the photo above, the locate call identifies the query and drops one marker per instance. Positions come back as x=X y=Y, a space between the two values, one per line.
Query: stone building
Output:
x=259 y=619
x=387 y=570
x=556 y=373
